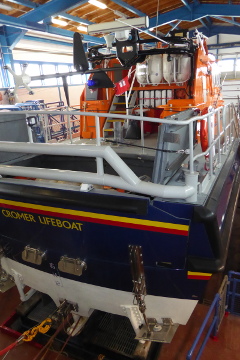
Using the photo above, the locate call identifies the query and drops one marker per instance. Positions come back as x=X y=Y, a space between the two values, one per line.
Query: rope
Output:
x=149 y=148
x=43 y=352
x=8 y=348
x=68 y=338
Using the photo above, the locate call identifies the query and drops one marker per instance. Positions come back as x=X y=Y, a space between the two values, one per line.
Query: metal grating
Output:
x=115 y=333
x=42 y=311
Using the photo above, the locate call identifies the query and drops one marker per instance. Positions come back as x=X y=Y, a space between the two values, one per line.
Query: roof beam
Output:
x=170 y=16
x=197 y=12
x=227 y=20
x=187 y=5
x=129 y=7
x=173 y=26
x=50 y=8
x=27 y=3
x=63 y=14
x=28 y=25
x=13 y=35
x=7 y=58
x=217 y=29
x=208 y=20
x=203 y=23
x=121 y=3
x=220 y=10
x=75 y=18
x=20 y=23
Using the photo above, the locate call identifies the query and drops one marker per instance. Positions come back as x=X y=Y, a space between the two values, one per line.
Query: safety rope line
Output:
x=9 y=347
x=68 y=338
x=182 y=151
x=43 y=352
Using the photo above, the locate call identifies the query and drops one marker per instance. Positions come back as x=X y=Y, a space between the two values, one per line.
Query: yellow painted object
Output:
x=43 y=328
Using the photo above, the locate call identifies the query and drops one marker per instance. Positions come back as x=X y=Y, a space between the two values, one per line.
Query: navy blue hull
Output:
x=182 y=244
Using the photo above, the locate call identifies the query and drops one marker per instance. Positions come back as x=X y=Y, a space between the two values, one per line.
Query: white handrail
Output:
x=126 y=178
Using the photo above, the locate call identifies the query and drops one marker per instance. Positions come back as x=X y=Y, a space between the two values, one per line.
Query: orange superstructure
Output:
x=101 y=103
x=169 y=79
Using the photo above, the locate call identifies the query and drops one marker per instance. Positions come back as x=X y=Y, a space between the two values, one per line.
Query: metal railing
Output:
x=233 y=293
x=59 y=126
x=227 y=129
x=212 y=320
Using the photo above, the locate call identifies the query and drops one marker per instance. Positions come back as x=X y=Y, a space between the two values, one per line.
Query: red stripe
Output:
x=199 y=277
x=98 y=221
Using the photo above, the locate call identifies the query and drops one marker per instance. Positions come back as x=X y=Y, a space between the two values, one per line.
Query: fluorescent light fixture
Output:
x=6 y=7
x=98 y=4
x=82 y=28
x=59 y=22
x=151 y=29
x=112 y=26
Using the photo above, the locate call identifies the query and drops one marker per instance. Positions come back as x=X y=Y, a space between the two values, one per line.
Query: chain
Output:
x=43 y=328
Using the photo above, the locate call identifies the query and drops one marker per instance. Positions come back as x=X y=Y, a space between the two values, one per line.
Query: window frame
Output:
x=40 y=64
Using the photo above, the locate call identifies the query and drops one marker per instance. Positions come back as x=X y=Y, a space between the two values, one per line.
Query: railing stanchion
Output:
x=224 y=129
x=100 y=168
x=219 y=139
x=191 y=165
x=230 y=127
x=210 y=154
x=69 y=127
x=142 y=128
x=46 y=129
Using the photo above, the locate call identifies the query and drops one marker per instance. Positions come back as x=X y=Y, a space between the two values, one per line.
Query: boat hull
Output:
x=89 y=297
x=182 y=243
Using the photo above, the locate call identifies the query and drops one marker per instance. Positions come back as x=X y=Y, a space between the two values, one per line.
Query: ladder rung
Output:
x=118 y=112
x=119 y=103
x=108 y=129
x=114 y=120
